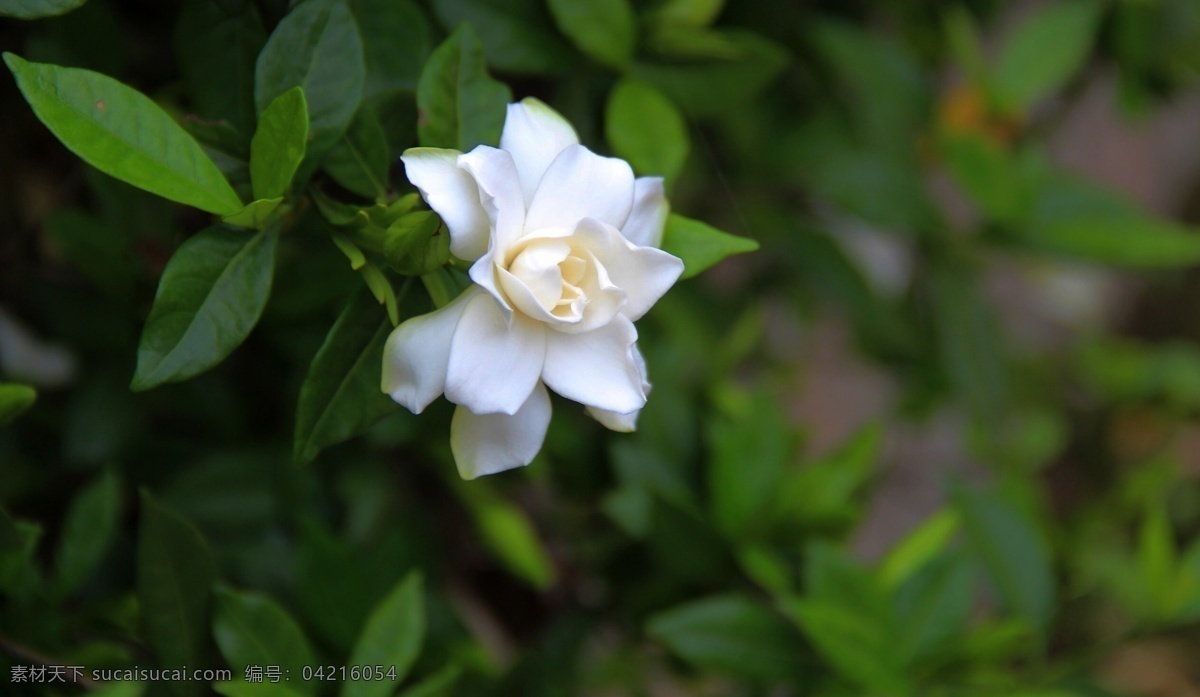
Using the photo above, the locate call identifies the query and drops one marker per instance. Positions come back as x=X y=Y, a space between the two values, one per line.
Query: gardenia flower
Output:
x=564 y=244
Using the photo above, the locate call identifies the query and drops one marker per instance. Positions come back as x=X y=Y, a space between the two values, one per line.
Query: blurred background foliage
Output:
x=937 y=437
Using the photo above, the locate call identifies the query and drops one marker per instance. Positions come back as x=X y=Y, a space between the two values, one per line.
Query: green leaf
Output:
x=15 y=399
x=1014 y=552
x=257 y=215
x=251 y=629
x=969 y=340
x=749 y=455
x=241 y=688
x=460 y=105
x=1157 y=559
x=518 y=35
x=720 y=84
x=278 y=146
x=175 y=574
x=19 y=574
x=209 y=298
x=822 y=493
x=220 y=83
x=922 y=544
x=1129 y=241
x=417 y=244
x=440 y=684
x=88 y=532
x=121 y=132
x=933 y=606
x=340 y=397
x=359 y=161
x=733 y=635
x=396 y=39
x=645 y=128
x=511 y=536
x=989 y=174
x=1046 y=52
x=603 y=29
x=700 y=245
x=33 y=9
x=851 y=642
x=694 y=13
x=392 y=638
x=316 y=47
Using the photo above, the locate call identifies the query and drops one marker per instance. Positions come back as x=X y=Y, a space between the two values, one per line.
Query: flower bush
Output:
x=934 y=439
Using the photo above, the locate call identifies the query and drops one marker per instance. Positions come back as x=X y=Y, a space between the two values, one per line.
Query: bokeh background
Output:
x=938 y=436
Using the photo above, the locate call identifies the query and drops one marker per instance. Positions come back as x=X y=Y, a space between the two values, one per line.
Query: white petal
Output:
x=649 y=216
x=499 y=192
x=483 y=272
x=535 y=134
x=621 y=423
x=490 y=443
x=493 y=365
x=596 y=368
x=644 y=273
x=523 y=298
x=417 y=352
x=581 y=184
x=453 y=194
x=615 y=421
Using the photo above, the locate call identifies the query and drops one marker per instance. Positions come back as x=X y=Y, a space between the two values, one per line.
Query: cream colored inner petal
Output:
x=537 y=266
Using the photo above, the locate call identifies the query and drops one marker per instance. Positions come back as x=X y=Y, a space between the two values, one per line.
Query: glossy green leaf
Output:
x=279 y=142
x=220 y=83
x=121 y=132
x=175 y=574
x=340 y=397
x=251 y=629
x=461 y=105
x=33 y=9
x=360 y=159
x=851 y=642
x=731 y=634
x=700 y=245
x=1046 y=51
x=392 y=637
x=397 y=38
x=316 y=47
x=209 y=298
x=257 y=215
x=1128 y=241
x=15 y=399
x=518 y=35
x=88 y=532
x=417 y=244
x=606 y=30
x=1014 y=553
x=645 y=128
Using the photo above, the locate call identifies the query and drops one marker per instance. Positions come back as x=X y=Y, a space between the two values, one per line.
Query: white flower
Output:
x=564 y=244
